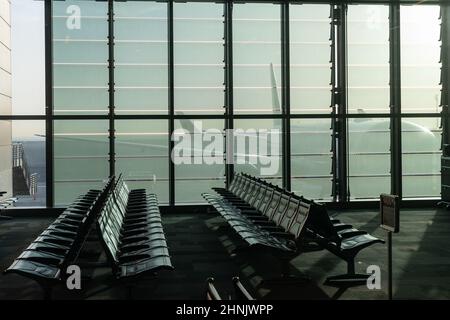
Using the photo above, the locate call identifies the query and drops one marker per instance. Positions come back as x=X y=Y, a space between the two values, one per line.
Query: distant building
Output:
x=5 y=97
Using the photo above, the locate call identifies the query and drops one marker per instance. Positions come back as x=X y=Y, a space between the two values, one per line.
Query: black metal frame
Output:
x=339 y=117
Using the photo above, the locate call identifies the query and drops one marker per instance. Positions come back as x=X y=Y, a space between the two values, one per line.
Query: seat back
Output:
x=265 y=200
x=272 y=206
x=235 y=184
x=290 y=213
x=281 y=208
x=109 y=229
x=297 y=224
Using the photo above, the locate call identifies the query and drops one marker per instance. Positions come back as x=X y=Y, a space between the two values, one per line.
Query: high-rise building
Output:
x=5 y=97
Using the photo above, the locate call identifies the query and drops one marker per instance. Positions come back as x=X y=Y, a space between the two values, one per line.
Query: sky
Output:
x=28 y=64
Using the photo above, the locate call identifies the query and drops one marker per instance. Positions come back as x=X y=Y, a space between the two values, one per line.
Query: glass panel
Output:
x=257 y=58
x=368 y=59
x=420 y=47
x=421 y=148
x=81 y=160
x=22 y=162
x=198 y=157
x=310 y=68
x=369 y=157
x=142 y=155
x=140 y=54
x=80 y=57
x=5 y=61
x=258 y=148
x=199 y=60
x=311 y=158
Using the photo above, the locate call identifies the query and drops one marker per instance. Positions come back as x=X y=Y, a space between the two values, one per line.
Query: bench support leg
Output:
x=350 y=279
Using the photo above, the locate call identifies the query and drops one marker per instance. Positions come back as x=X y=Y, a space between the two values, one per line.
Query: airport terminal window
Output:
x=142 y=155
x=310 y=68
x=199 y=58
x=420 y=56
x=421 y=144
x=198 y=157
x=257 y=149
x=369 y=157
x=368 y=59
x=140 y=53
x=80 y=157
x=80 y=56
x=311 y=158
x=256 y=58
x=22 y=162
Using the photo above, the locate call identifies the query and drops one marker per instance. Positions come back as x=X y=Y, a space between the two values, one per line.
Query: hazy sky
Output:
x=28 y=63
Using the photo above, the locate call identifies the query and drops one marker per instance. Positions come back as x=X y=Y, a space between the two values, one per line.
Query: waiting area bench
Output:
x=264 y=215
x=131 y=231
x=45 y=260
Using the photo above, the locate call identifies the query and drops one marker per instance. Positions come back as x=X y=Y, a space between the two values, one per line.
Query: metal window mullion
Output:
x=229 y=110
x=171 y=100
x=111 y=85
x=285 y=85
x=445 y=72
x=49 y=104
x=395 y=99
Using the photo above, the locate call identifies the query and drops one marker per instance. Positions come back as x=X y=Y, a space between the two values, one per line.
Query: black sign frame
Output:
x=390 y=212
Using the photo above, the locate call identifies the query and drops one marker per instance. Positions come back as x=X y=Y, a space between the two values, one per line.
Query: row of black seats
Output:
x=45 y=260
x=240 y=293
x=132 y=234
x=267 y=216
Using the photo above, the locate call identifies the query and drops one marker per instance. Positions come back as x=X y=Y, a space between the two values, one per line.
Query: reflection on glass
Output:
x=421 y=161
x=197 y=170
x=369 y=157
x=310 y=68
x=142 y=155
x=199 y=57
x=256 y=58
x=420 y=55
x=368 y=58
x=311 y=158
x=81 y=163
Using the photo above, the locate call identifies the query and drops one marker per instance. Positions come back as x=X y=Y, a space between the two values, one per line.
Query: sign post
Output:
x=390 y=221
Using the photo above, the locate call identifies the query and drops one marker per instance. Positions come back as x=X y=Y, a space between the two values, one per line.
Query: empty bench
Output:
x=45 y=260
x=263 y=214
x=131 y=231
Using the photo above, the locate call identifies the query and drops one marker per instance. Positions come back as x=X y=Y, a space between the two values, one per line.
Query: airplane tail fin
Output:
x=276 y=105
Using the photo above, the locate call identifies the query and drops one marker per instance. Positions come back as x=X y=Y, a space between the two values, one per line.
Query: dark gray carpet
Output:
x=203 y=246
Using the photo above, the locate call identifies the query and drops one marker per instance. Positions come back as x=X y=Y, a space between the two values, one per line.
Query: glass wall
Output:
x=80 y=158
x=421 y=152
x=420 y=56
x=311 y=158
x=198 y=157
x=142 y=155
x=140 y=54
x=80 y=57
x=199 y=58
x=310 y=68
x=368 y=92
x=142 y=92
x=257 y=148
x=256 y=58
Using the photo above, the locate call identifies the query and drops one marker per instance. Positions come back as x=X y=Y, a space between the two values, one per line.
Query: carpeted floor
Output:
x=204 y=246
